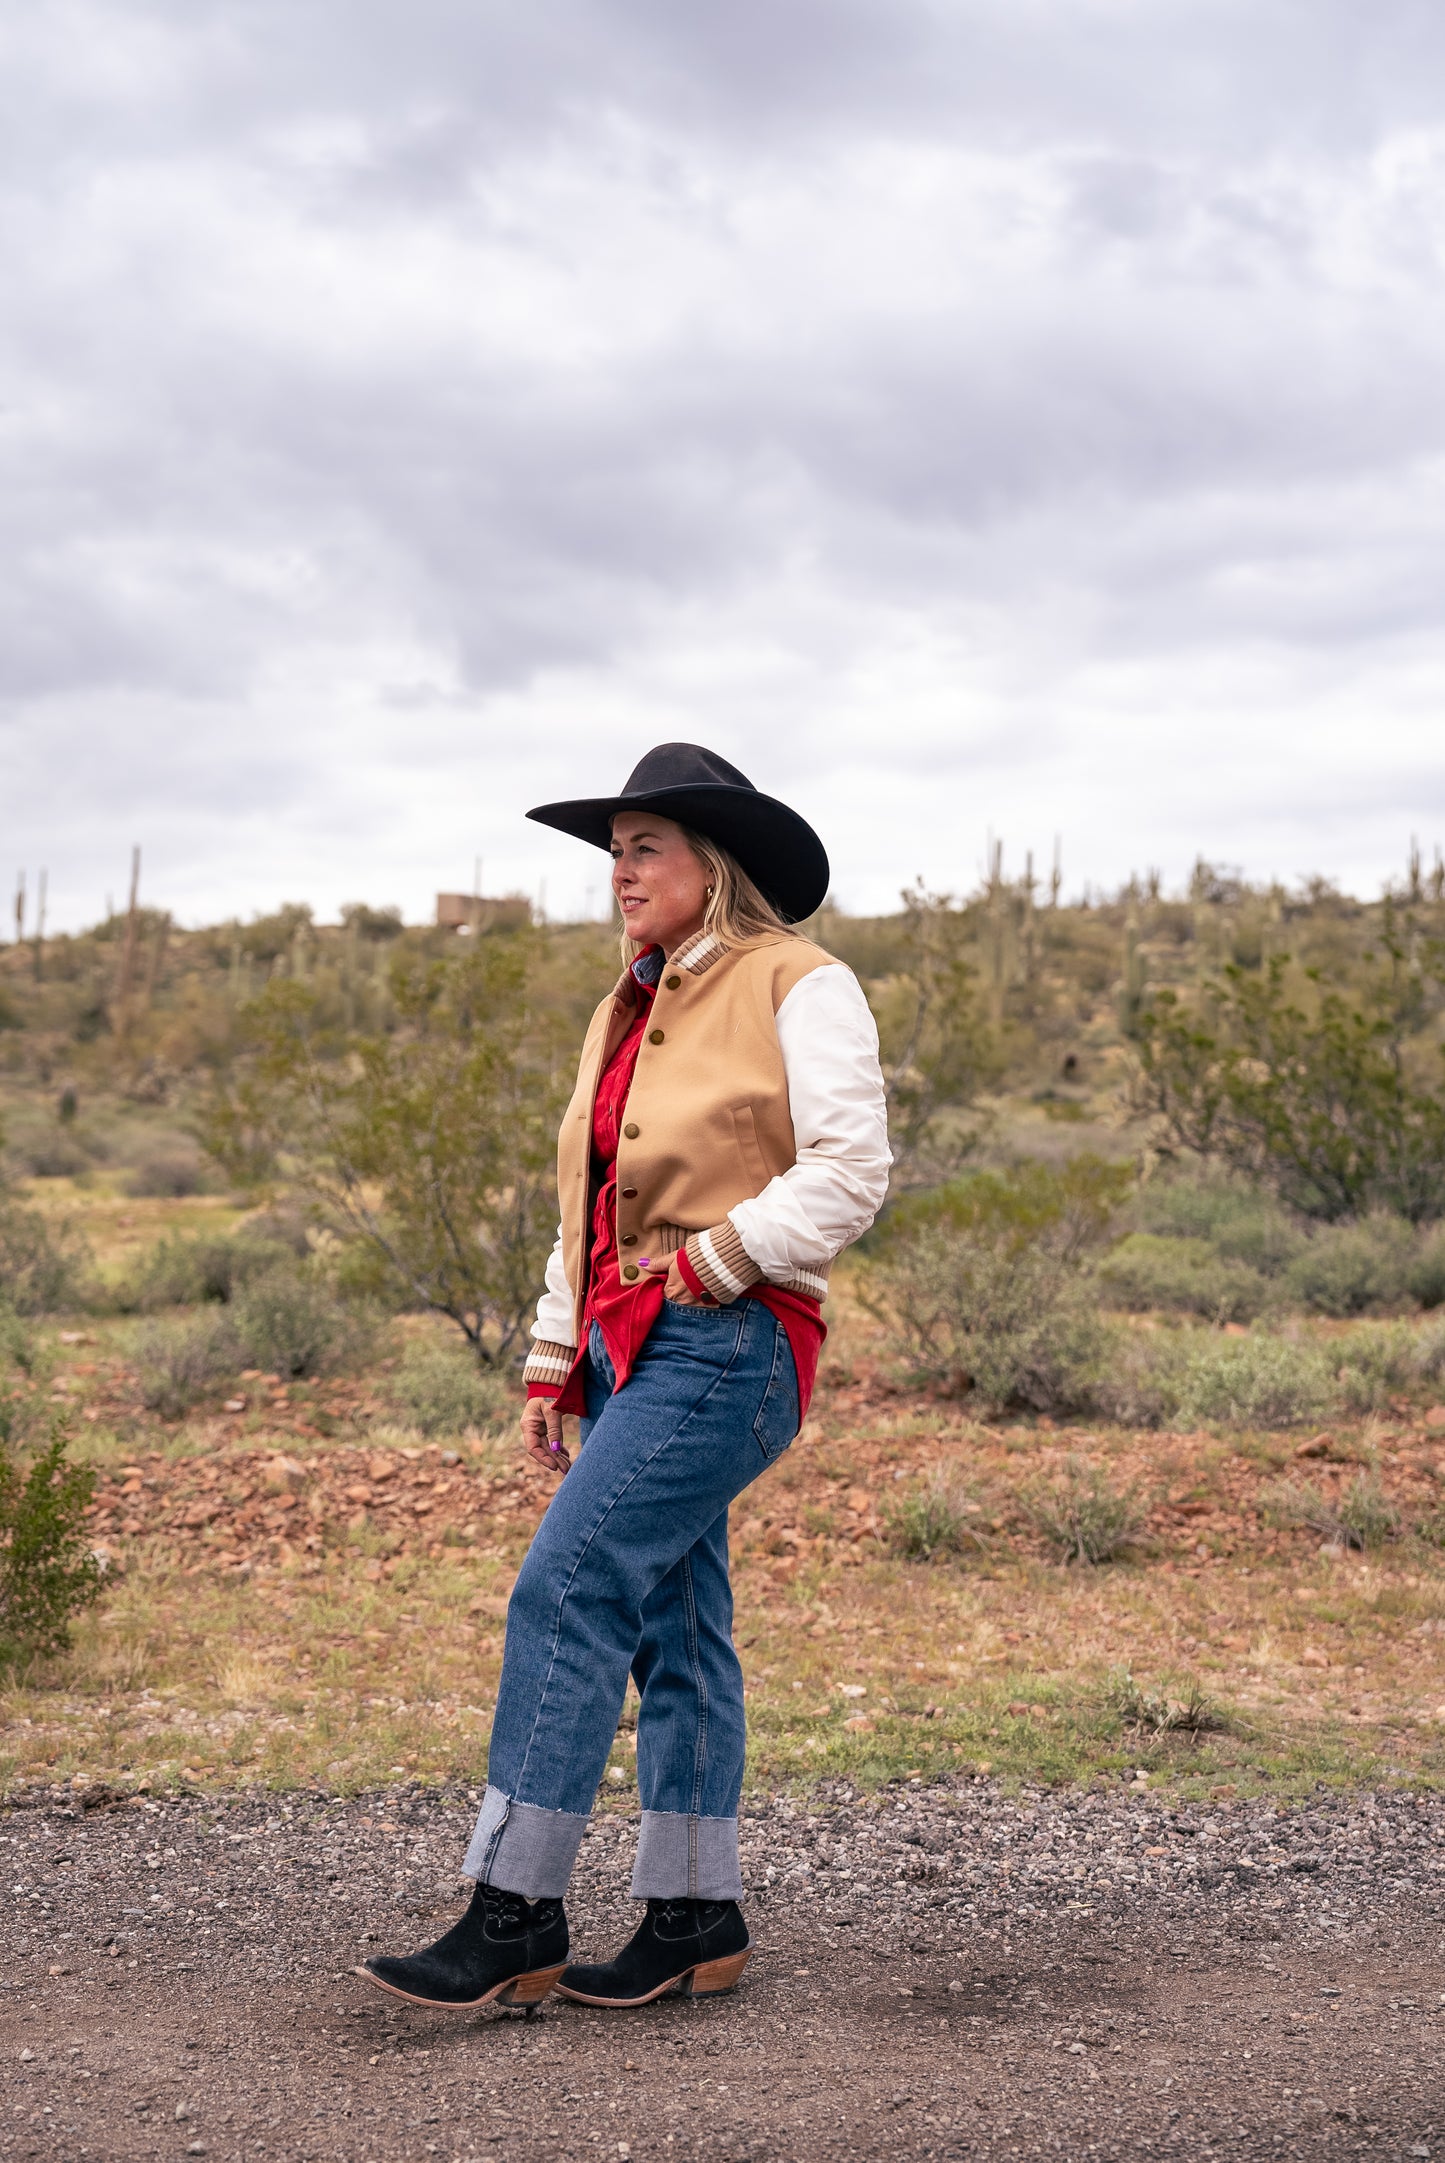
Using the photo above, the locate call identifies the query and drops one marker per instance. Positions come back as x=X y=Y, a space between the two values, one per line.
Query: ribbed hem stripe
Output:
x=549 y=1363
x=722 y=1262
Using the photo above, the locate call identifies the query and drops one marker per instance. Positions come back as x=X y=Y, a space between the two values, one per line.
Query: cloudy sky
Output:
x=968 y=415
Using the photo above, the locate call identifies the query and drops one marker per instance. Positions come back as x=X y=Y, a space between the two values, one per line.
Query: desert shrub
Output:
x=180 y=1363
x=1429 y=1353
x=933 y=1517
x=290 y=1321
x=1309 y=1089
x=1155 y=1712
x=1193 y=1378
x=1425 y=1280
x=47 y=1569
x=1082 y=1514
x=19 y=1361
x=1190 y=1378
x=987 y=1281
x=1431 y=1527
x=433 y=1145
x=42 y=1266
x=1255 y=1381
x=18 y=1349
x=1349 y=1269
x=1241 y=1223
x=168 y=1170
x=1362 y=1517
x=1187 y=1276
x=182 y=1272
x=57 y=1155
x=1377 y=1362
x=440 y=1389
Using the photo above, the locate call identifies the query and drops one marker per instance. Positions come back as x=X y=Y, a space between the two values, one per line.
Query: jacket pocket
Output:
x=749 y=1149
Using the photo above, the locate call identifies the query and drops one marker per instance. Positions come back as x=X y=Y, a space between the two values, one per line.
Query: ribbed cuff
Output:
x=722 y=1262
x=548 y=1366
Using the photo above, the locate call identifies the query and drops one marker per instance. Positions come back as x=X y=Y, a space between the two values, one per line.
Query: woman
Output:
x=727 y=1138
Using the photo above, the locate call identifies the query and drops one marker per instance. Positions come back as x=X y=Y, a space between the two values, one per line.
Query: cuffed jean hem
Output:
x=687 y=1858
x=520 y=1848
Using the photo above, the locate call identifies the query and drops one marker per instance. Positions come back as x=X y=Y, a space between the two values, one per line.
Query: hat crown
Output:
x=682 y=766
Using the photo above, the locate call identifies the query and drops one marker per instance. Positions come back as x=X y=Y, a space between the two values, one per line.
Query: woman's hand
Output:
x=675 y=1286
x=542 y=1434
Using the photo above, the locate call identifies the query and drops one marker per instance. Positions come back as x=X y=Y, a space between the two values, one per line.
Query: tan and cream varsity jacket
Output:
x=755 y=1132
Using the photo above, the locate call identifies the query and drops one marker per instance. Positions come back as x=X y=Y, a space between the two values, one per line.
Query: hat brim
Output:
x=779 y=851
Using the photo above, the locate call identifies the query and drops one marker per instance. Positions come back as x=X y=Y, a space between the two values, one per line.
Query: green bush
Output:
x=19 y=1363
x=933 y=1517
x=1362 y=1517
x=182 y=1272
x=42 y=1267
x=47 y=1569
x=57 y=1155
x=441 y=1390
x=1425 y=1281
x=1349 y=1269
x=987 y=1282
x=169 y=1170
x=1193 y=1378
x=1154 y=1712
x=1310 y=1088
x=180 y=1363
x=1240 y=1223
x=1185 y=1276
x=1083 y=1515
x=290 y=1322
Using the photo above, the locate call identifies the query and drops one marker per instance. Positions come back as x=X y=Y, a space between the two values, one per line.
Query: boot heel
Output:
x=531 y=1989
x=711 y=1977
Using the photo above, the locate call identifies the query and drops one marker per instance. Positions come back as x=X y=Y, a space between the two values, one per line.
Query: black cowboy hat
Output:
x=779 y=851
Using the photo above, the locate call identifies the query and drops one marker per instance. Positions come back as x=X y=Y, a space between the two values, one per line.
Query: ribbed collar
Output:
x=698 y=953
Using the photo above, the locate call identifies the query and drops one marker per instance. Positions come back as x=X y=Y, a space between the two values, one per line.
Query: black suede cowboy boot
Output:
x=698 y=1948
x=504 y=1948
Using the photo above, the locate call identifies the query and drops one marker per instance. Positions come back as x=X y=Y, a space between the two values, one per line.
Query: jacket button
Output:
x=629 y=1194
x=629 y=1239
x=654 y=1036
x=630 y=1270
x=673 y=982
x=631 y=1130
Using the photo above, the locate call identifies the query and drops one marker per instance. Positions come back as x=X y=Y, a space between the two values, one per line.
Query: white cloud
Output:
x=1010 y=417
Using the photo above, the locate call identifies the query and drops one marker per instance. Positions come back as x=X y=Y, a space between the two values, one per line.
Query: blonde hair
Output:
x=737 y=909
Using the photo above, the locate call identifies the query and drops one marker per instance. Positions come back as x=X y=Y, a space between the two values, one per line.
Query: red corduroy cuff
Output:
x=692 y=1280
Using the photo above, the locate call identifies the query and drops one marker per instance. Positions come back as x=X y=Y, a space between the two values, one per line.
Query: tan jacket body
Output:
x=707 y=1123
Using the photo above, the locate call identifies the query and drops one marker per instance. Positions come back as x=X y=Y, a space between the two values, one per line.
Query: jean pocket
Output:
x=778 y=1419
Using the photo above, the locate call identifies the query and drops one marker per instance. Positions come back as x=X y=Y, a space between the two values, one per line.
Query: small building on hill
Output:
x=472 y=914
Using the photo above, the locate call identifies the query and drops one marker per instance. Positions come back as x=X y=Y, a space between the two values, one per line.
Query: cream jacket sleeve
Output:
x=831 y=1195
x=554 y=1309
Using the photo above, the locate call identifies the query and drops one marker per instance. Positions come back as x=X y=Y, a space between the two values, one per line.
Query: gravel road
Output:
x=940 y=1972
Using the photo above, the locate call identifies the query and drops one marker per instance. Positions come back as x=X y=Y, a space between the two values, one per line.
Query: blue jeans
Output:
x=629 y=1572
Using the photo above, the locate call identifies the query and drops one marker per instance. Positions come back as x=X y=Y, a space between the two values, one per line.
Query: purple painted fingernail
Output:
x=646 y=1262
